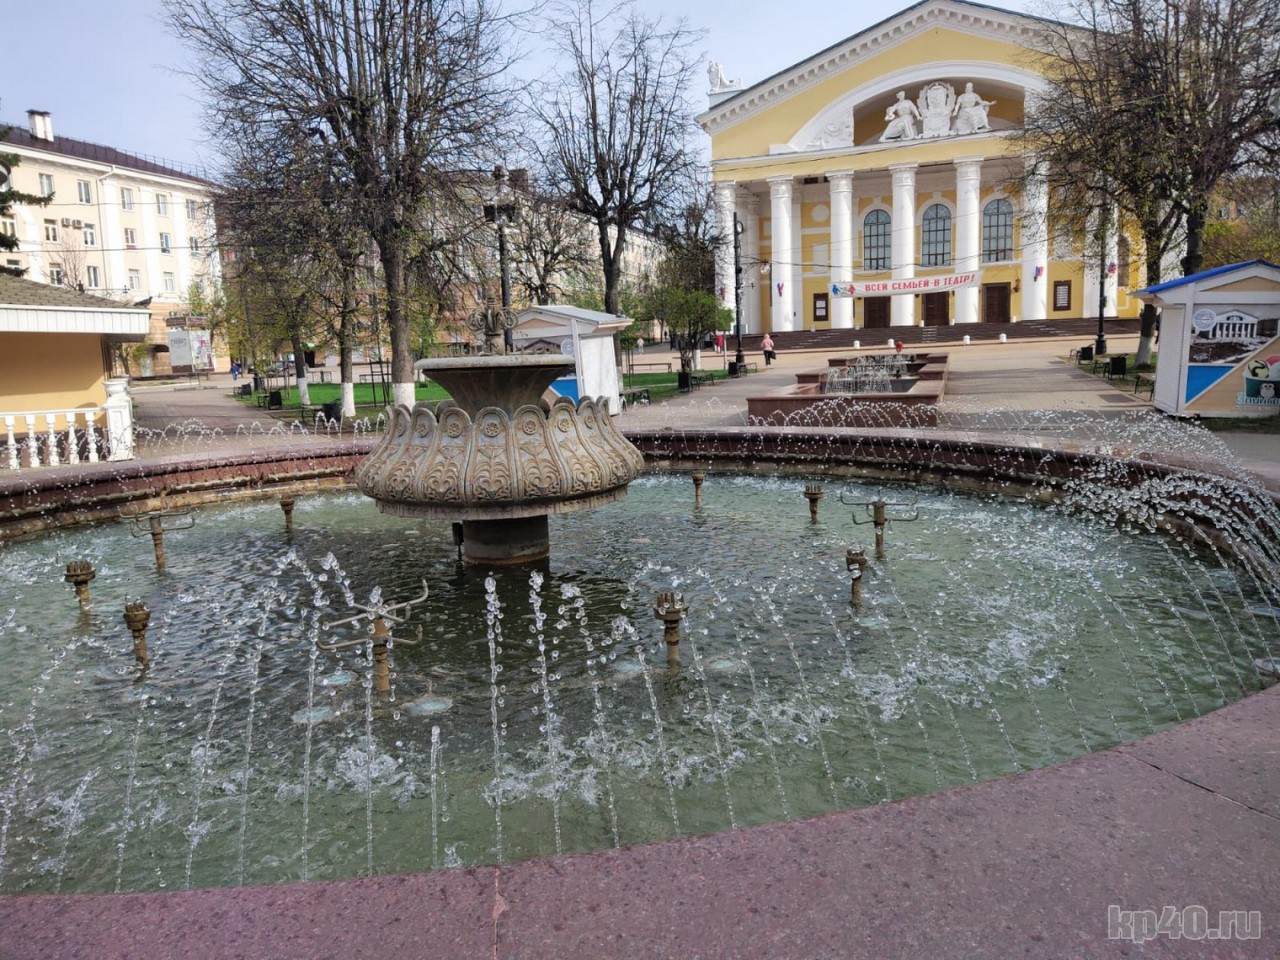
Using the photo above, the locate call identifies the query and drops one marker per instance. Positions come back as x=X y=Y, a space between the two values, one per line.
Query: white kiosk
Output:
x=585 y=335
x=1219 y=342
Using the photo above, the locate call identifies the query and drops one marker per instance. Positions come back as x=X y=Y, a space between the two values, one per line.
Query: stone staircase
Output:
x=1083 y=329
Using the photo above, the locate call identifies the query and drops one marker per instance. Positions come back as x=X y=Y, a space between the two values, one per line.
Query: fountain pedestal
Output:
x=497 y=457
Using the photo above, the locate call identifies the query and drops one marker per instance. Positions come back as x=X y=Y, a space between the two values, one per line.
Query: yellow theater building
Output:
x=876 y=184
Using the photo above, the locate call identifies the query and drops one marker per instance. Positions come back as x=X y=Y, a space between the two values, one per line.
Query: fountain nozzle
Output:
x=699 y=476
x=286 y=504
x=79 y=573
x=136 y=618
x=813 y=492
x=856 y=562
x=670 y=607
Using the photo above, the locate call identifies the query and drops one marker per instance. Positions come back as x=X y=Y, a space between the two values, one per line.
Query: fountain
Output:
x=1042 y=604
x=496 y=458
x=858 y=391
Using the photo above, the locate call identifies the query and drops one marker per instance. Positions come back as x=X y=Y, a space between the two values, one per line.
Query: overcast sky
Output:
x=111 y=73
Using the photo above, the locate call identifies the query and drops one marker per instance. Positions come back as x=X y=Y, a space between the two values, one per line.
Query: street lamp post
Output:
x=1100 y=342
x=500 y=213
x=738 y=227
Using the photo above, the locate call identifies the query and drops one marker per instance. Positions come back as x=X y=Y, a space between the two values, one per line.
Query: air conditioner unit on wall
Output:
x=77 y=224
x=66 y=221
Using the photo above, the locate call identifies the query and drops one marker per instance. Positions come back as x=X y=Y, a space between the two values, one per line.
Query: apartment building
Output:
x=118 y=226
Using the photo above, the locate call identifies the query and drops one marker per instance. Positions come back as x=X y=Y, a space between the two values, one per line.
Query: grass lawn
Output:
x=662 y=385
x=368 y=396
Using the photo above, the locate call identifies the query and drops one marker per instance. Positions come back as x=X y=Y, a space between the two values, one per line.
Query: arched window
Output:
x=935 y=236
x=997 y=231
x=877 y=243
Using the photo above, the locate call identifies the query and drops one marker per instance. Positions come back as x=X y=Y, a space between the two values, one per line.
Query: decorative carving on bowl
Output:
x=440 y=461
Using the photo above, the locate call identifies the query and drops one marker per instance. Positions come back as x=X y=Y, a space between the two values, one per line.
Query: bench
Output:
x=634 y=395
x=270 y=400
x=1081 y=354
x=659 y=365
x=741 y=368
x=1144 y=381
x=696 y=380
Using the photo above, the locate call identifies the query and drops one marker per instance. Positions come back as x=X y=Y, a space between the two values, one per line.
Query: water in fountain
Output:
x=995 y=637
x=870 y=374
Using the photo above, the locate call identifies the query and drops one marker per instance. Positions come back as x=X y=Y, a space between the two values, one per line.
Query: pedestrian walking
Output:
x=766 y=345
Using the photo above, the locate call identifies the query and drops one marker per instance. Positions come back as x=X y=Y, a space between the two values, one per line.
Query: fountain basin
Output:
x=538 y=715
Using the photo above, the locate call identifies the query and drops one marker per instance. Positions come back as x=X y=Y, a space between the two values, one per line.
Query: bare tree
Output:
x=616 y=126
x=1153 y=102
x=550 y=247
x=402 y=92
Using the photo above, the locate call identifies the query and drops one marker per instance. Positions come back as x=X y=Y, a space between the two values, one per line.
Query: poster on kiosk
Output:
x=1219 y=351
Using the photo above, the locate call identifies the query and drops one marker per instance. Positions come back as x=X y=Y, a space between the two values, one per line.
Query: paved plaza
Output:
x=1087 y=858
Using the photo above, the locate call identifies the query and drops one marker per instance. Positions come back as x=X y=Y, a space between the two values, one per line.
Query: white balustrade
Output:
x=52 y=437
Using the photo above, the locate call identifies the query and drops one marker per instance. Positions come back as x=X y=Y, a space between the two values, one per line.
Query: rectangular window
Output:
x=55 y=274
x=192 y=210
x=162 y=204
x=1062 y=294
x=130 y=238
x=51 y=231
x=92 y=277
x=135 y=279
x=9 y=227
x=126 y=197
x=164 y=243
x=90 y=235
x=84 y=190
x=169 y=285
x=13 y=264
x=195 y=245
x=46 y=185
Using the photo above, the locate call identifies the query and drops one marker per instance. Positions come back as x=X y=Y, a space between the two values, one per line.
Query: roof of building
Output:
x=20 y=136
x=737 y=95
x=15 y=291
x=588 y=321
x=1204 y=275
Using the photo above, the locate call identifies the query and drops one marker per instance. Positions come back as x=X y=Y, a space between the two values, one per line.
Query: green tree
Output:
x=10 y=196
x=690 y=316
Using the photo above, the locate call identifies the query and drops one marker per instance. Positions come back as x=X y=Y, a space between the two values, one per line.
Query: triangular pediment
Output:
x=968 y=21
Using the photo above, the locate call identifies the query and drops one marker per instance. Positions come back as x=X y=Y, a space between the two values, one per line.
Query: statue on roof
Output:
x=970 y=112
x=716 y=79
x=901 y=117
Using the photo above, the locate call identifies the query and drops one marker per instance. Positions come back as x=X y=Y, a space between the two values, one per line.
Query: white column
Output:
x=726 y=195
x=902 y=312
x=841 y=308
x=751 y=278
x=1035 y=244
x=968 y=233
x=119 y=408
x=781 y=255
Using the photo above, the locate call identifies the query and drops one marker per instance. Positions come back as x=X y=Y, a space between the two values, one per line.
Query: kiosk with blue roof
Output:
x=1219 y=342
